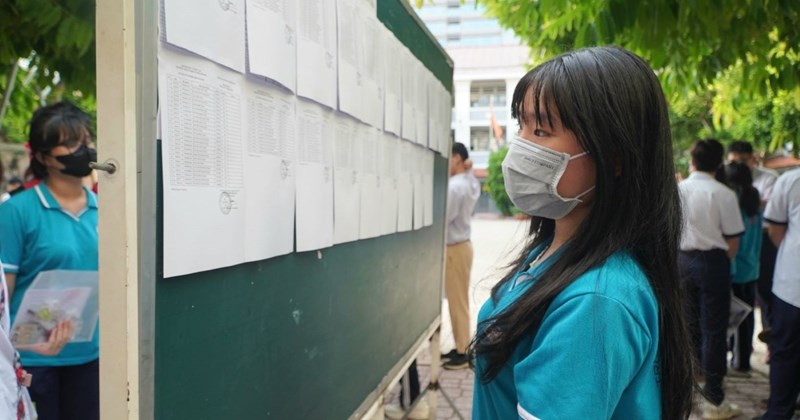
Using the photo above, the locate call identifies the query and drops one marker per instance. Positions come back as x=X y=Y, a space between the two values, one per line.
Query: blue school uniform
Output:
x=595 y=355
x=37 y=235
x=745 y=267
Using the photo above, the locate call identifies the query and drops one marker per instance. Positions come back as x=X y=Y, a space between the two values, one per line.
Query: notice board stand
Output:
x=307 y=335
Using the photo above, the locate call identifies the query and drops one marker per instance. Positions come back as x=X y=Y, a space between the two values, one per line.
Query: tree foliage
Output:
x=731 y=68
x=496 y=185
x=31 y=91
x=52 y=42
x=57 y=35
x=688 y=42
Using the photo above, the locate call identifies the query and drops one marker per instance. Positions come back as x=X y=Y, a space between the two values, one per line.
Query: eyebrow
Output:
x=546 y=119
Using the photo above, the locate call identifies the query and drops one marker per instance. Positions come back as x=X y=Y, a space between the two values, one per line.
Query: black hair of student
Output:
x=461 y=150
x=740 y=146
x=613 y=103
x=707 y=155
x=52 y=125
x=740 y=179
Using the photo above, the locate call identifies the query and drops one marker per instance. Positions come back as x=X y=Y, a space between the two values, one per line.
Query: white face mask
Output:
x=531 y=173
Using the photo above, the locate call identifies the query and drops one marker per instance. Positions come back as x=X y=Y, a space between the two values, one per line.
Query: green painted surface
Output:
x=299 y=337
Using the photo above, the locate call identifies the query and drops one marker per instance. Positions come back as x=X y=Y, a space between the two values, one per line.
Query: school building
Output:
x=488 y=61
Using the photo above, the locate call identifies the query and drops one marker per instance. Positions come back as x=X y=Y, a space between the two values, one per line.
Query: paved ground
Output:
x=495 y=242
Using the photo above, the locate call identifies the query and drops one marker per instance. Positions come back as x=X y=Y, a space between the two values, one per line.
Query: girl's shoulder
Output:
x=621 y=279
x=24 y=201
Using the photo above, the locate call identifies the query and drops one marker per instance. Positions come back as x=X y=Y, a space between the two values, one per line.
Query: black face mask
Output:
x=77 y=163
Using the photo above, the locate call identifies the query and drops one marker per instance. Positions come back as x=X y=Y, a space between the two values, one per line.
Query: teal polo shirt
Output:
x=745 y=267
x=37 y=235
x=594 y=356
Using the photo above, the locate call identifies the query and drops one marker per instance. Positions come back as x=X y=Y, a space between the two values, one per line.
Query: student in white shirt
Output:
x=764 y=180
x=15 y=402
x=710 y=240
x=783 y=218
x=463 y=192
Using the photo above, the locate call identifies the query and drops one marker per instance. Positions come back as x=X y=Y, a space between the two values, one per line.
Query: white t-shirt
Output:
x=463 y=192
x=11 y=393
x=764 y=180
x=710 y=213
x=784 y=209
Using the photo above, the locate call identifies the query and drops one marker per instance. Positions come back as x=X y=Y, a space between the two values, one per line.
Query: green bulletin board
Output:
x=307 y=335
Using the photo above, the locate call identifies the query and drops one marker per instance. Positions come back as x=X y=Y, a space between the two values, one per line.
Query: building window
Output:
x=486 y=139
x=479 y=138
x=453 y=20
x=453 y=4
x=453 y=37
x=488 y=94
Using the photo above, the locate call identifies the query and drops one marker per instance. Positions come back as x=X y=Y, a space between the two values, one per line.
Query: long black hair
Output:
x=52 y=125
x=613 y=103
x=740 y=179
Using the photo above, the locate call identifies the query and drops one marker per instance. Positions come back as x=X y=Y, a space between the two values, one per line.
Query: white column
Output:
x=117 y=82
x=511 y=125
x=461 y=111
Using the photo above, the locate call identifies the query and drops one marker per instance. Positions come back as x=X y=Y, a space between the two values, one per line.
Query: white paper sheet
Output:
x=202 y=121
x=434 y=101
x=370 y=220
x=347 y=188
x=421 y=105
x=314 y=177
x=427 y=182
x=270 y=172
x=272 y=40
x=393 y=81
x=405 y=187
x=213 y=29
x=316 y=51
x=418 y=167
x=408 y=95
x=446 y=121
x=390 y=193
x=440 y=117
x=351 y=58
x=373 y=88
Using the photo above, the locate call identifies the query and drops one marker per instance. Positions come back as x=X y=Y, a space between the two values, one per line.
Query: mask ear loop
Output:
x=564 y=168
x=579 y=155
x=585 y=192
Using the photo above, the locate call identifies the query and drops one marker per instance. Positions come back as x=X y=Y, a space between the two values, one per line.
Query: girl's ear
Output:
x=39 y=157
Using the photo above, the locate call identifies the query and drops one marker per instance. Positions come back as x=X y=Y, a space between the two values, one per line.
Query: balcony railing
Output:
x=483 y=113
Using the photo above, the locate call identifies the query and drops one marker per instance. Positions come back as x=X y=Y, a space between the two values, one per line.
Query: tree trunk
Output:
x=10 y=82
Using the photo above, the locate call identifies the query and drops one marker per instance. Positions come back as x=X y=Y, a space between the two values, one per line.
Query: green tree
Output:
x=30 y=91
x=57 y=35
x=731 y=68
x=496 y=185
x=46 y=54
x=688 y=42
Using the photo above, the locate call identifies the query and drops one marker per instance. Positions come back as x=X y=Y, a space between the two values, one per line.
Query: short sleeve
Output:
x=768 y=186
x=777 y=211
x=454 y=198
x=730 y=215
x=11 y=237
x=586 y=353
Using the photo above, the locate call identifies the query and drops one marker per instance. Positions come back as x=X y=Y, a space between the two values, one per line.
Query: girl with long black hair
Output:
x=589 y=321
x=745 y=266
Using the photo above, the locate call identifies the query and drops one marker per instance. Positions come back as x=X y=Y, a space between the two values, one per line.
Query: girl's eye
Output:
x=539 y=133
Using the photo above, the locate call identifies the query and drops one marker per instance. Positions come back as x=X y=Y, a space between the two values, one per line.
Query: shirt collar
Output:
x=700 y=175
x=50 y=202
